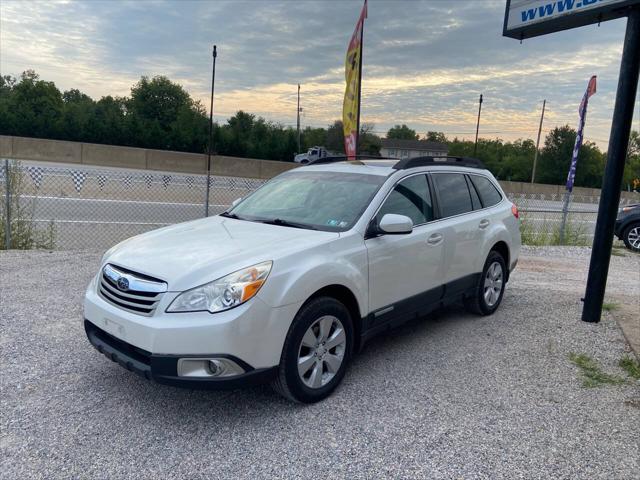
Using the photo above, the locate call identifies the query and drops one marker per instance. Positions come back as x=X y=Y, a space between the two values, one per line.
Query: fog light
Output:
x=208 y=367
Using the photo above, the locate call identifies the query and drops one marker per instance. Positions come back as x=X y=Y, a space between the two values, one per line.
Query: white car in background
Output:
x=291 y=281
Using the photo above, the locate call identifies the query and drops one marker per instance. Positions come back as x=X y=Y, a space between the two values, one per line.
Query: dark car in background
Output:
x=628 y=226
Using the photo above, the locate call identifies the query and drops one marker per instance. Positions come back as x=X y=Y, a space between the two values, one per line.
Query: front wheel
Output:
x=488 y=293
x=316 y=351
x=631 y=237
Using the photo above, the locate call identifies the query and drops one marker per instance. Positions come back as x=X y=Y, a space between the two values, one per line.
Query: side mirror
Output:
x=395 y=224
x=236 y=201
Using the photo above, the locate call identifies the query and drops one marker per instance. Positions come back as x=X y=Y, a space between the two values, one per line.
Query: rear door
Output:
x=462 y=228
x=405 y=271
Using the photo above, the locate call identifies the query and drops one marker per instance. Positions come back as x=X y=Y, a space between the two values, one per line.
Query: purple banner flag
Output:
x=582 y=115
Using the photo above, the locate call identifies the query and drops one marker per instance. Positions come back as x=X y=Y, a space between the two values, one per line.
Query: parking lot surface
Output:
x=449 y=396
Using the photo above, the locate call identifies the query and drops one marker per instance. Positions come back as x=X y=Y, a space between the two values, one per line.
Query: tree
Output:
x=335 y=137
x=436 y=137
x=402 y=132
x=370 y=143
x=555 y=159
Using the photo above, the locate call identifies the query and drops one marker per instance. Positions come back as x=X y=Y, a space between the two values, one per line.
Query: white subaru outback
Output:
x=291 y=281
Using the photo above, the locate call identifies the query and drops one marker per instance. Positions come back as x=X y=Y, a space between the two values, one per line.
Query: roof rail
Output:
x=444 y=160
x=344 y=158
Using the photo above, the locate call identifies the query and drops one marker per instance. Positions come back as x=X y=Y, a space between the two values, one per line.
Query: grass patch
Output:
x=610 y=306
x=592 y=374
x=631 y=366
x=543 y=232
x=618 y=252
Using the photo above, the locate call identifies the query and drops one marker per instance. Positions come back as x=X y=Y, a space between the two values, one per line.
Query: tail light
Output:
x=514 y=210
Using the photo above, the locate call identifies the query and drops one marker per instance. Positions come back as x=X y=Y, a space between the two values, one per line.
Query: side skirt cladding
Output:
x=417 y=306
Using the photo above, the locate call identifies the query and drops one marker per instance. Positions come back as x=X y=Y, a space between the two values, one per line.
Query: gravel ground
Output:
x=451 y=396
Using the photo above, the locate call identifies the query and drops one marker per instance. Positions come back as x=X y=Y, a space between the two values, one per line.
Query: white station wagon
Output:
x=291 y=281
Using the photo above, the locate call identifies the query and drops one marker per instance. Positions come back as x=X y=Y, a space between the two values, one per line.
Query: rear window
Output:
x=489 y=194
x=453 y=194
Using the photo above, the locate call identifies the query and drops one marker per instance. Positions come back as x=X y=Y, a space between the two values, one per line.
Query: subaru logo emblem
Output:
x=123 y=284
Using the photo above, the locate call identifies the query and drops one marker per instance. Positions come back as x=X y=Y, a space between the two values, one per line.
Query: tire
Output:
x=319 y=373
x=493 y=276
x=631 y=237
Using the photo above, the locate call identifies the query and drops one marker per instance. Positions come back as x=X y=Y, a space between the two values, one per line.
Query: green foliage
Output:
x=631 y=366
x=592 y=375
x=436 y=137
x=543 y=232
x=402 y=132
x=555 y=159
x=25 y=234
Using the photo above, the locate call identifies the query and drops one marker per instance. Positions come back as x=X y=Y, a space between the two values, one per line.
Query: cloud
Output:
x=425 y=62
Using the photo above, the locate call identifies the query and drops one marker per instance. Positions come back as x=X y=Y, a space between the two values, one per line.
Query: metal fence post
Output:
x=565 y=212
x=7 y=205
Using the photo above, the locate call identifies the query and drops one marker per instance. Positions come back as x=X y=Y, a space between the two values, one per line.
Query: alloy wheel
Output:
x=321 y=351
x=634 y=237
x=493 y=284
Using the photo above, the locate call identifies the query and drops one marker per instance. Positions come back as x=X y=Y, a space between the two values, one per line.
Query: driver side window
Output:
x=410 y=197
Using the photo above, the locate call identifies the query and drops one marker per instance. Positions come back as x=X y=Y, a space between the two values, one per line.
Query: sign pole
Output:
x=535 y=158
x=614 y=169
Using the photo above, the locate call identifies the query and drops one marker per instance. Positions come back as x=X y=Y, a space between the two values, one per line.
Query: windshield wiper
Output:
x=231 y=215
x=286 y=223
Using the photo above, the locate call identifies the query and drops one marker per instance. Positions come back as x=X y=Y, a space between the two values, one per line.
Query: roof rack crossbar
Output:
x=344 y=158
x=438 y=160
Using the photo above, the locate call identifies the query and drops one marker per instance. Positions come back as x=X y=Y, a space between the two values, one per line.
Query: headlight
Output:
x=224 y=293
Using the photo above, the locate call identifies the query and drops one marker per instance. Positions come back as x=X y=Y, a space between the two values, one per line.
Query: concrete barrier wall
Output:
x=141 y=158
x=23 y=148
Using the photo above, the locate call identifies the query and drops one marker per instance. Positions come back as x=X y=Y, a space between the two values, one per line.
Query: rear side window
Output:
x=411 y=198
x=489 y=194
x=453 y=194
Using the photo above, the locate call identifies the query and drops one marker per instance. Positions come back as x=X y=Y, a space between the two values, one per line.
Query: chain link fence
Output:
x=68 y=208
x=81 y=207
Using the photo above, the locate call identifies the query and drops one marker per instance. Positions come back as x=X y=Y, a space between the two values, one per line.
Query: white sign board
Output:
x=529 y=18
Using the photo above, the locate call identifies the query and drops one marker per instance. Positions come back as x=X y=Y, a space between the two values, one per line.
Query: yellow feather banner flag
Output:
x=353 y=77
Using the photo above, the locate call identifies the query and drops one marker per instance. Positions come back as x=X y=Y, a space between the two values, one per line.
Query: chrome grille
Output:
x=131 y=291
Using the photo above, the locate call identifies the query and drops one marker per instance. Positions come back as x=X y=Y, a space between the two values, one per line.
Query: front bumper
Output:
x=163 y=368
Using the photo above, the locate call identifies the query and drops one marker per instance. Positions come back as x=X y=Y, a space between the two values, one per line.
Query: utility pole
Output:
x=535 y=158
x=475 y=147
x=298 y=112
x=213 y=82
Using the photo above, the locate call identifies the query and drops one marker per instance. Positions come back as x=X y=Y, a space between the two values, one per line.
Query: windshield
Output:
x=330 y=201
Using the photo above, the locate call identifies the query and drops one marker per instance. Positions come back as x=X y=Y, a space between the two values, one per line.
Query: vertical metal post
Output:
x=213 y=82
x=475 y=147
x=535 y=158
x=7 y=206
x=565 y=212
x=614 y=169
x=298 y=113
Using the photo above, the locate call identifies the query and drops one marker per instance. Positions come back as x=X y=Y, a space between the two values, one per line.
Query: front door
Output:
x=405 y=270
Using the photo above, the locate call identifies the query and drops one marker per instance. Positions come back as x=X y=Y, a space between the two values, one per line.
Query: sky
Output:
x=425 y=62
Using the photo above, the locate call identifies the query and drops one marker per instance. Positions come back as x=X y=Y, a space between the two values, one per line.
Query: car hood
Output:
x=189 y=254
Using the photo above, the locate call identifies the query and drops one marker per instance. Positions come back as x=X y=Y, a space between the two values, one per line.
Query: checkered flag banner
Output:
x=165 y=180
x=36 y=174
x=102 y=180
x=148 y=179
x=190 y=182
x=78 y=179
x=128 y=181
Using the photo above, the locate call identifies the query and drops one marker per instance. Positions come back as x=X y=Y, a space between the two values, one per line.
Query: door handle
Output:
x=484 y=223
x=434 y=239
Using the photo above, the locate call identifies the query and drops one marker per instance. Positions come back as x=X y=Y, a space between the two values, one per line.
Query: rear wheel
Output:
x=631 y=237
x=488 y=293
x=316 y=351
